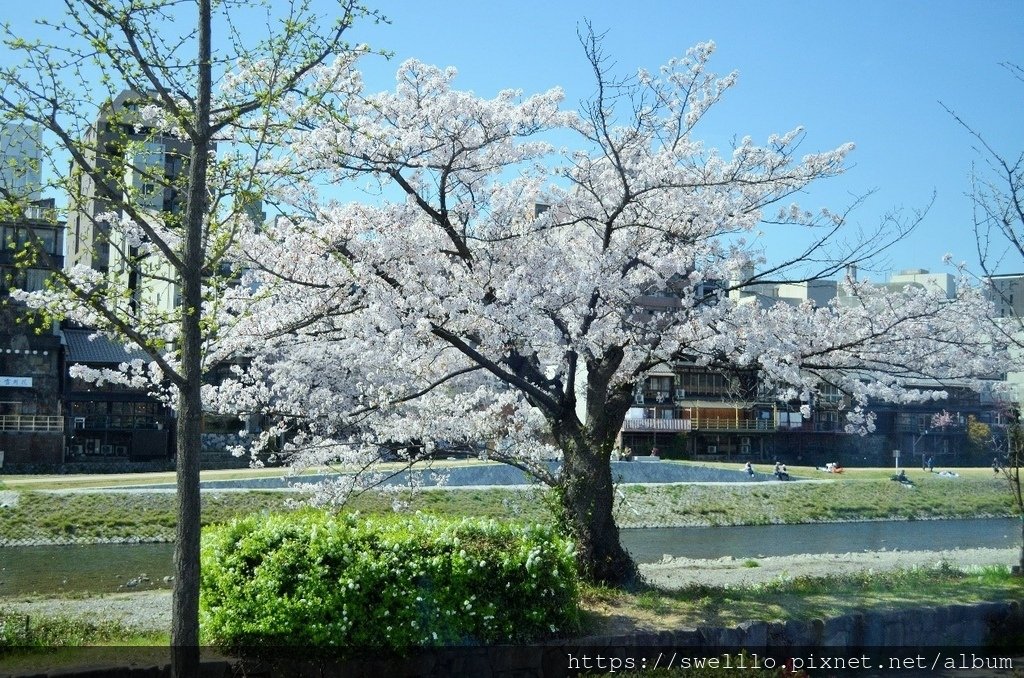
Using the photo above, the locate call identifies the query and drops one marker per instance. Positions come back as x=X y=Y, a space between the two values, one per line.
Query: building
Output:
x=943 y=283
x=21 y=151
x=108 y=422
x=133 y=161
x=700 y=412
x=1006 y=292
x=31 y=357
x=142 y=167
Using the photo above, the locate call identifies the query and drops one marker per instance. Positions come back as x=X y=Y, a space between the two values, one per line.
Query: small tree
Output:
x=979 y=436
x=231 y=100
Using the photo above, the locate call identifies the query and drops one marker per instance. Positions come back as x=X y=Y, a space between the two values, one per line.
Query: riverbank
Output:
x=118 y=514
x=150 y=611
x=674 y=573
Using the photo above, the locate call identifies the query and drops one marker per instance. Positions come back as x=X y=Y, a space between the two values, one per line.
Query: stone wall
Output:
x=21 y=448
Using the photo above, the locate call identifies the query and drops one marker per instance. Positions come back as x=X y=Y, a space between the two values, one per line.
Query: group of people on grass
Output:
x=780 y=470
x=927 y=464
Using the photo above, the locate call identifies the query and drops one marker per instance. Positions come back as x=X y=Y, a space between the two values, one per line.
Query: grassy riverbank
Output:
x=855 y=495
x=858 y=494
x=798 y=598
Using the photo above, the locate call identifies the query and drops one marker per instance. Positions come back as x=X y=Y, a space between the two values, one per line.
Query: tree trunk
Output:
x=587 y=499
x=1020 y=563
x=185 y=602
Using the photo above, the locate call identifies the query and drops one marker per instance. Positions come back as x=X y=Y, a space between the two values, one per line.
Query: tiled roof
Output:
x=98 y=349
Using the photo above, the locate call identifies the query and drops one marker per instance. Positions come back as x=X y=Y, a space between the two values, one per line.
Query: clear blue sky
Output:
x=868 y=72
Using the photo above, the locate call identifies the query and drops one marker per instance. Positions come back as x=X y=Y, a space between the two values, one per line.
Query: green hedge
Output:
x=317 y=580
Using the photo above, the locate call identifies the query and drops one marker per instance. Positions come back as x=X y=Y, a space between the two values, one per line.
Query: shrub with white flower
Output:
x=318 y=580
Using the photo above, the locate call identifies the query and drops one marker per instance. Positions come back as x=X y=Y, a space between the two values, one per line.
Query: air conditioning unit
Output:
x=106 y=450
x=712 y=449
x=680 y=394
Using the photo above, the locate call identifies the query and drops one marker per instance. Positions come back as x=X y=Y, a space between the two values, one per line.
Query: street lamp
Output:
x=913 y=448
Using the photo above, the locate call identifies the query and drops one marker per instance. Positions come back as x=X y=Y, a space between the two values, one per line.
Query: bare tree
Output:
x=997 y=194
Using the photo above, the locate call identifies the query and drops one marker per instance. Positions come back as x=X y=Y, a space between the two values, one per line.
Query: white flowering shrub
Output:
x=345 y=583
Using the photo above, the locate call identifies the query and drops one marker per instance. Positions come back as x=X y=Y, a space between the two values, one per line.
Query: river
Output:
x=104 y=568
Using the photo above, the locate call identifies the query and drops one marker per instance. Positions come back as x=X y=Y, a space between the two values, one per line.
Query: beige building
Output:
x=1006 y=292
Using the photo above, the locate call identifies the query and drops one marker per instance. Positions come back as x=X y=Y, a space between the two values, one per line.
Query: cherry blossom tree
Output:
x=223 y=110
x=492 y=288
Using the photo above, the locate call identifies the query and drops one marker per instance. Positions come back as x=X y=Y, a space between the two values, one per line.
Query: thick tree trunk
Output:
x=587 y=500
x=185 y=601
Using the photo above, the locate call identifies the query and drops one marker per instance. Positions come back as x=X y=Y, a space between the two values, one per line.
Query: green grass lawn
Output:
x=801 y=598
x=865 y=494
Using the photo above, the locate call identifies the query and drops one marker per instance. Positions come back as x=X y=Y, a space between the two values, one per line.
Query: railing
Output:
x=31 y=423
x=813 y=427
x=710 y=424
x=656 y=425
x=125 y=422
x=728 y=424
x=914 y=429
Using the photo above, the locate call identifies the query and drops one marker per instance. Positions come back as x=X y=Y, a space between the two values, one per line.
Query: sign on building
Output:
x=16 y=382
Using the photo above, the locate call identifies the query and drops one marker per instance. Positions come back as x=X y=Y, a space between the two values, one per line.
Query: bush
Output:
x=21 y=631
x=316 y=580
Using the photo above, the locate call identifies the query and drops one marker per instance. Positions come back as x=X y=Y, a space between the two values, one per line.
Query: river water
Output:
x=104 y=568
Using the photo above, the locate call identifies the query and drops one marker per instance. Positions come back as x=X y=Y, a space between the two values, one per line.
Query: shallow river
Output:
x=109 y=567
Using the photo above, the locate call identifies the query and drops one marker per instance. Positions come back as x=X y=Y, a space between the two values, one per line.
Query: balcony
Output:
x=115 y=422
x=656 y=425
x=813 y=427
x=32 y=423
x=732 y=424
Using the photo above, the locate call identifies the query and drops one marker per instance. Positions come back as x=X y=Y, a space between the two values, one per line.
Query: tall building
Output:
x=1006 y=292
x=133 y=162
x=21 y=156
